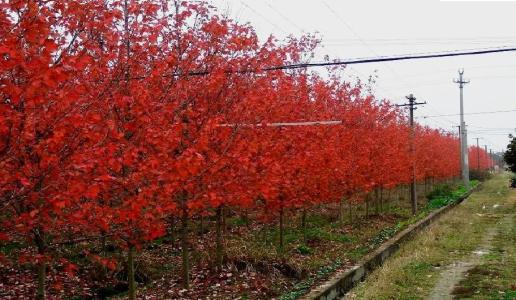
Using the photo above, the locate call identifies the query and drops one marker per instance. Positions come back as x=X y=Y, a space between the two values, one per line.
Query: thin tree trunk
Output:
x=184 y=246
x=103 y=242
x=219 y=246
x=389 y=200
x=130 y=273
x=376 y=201
x=201 y=225
x=42 y=268
x=350 y=212
x=224 y=225
x=281 y=233
x=381 y=200
x=172 y=231
x=303 y=225
x=265 y=227
x=341 y=211
x=367 y=206
x=245 y=217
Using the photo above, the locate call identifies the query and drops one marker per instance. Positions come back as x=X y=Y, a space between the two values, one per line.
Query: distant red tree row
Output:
x=115 y=116
x=479 y=159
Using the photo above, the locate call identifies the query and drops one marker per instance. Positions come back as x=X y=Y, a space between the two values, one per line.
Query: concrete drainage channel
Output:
x=342 y=282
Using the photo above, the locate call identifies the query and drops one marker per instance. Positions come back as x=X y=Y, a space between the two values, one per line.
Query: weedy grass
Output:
x=415 y=269
x=495 y=277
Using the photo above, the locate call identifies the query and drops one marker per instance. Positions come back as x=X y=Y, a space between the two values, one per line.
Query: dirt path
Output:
x=469 y=253
x=455 y=272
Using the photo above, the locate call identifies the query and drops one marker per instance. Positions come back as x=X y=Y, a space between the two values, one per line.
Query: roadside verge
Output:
x=345 y=280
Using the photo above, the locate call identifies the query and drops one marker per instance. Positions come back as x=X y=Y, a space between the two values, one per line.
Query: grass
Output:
x=495 y=277
x=451 y=194
x=445 y=194
x=415 y=269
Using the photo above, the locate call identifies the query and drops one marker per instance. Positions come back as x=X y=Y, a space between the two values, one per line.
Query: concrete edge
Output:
x=343 y=281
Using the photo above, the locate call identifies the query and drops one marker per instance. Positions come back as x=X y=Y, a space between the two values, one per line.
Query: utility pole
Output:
x=460 y=147
x=464 y=134
x=412 y=106
x=478 y=155
x=491 y=161
x=487 y=157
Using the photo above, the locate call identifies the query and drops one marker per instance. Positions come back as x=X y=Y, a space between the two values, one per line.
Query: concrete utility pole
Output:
x=487 y=154
x=460 y=147
x=491 y=163
x=464 y=134
x=411 y=105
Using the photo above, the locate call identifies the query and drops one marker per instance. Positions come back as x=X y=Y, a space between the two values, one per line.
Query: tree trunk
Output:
x=201 y=225
x=42 y=273
x=130 y=273
x=103 y=242
x=42 y=268
x=281 y=231
x=224 y=225
x=184 y=248
x=303 y=225
x=341 y=211
x=244 y=215
x=376 y=201
x=220 y=250
x=381 y=200
x=350 y=212
x=367 y=206
x=389 y=200
x=265 y=227
x=172 y=231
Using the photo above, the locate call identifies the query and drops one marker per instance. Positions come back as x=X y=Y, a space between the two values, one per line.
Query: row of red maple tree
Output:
x=117 y=115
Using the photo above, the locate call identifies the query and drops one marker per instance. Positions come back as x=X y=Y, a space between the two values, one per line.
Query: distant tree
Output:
x=510 y=154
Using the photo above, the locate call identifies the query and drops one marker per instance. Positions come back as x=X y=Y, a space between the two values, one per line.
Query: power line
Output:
x=508 y=128
x=390 y=58
x=288 y=20
x=497 y=134
x=473 y=113
x=363 y=42
x=262 y=16
x=489 y=38
x=283 y=16
x=445 y=119
x=346 y=62
x=353 y=43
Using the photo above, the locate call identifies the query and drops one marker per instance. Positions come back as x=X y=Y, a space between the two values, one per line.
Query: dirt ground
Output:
x=470 y=253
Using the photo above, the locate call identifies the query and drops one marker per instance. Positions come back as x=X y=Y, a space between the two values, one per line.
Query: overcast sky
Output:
x=362 y=28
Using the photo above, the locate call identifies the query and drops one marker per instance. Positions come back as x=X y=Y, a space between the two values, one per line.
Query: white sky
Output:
x=364 y=28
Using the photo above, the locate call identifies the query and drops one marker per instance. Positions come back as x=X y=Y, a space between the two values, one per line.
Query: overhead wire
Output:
x=283 y=16
x=288 y=20
x=262 y=16
x=393 y=58
x=362 y=41
x=472 y=113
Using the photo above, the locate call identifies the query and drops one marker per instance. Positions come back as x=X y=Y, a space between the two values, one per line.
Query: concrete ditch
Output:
x=343 y=281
